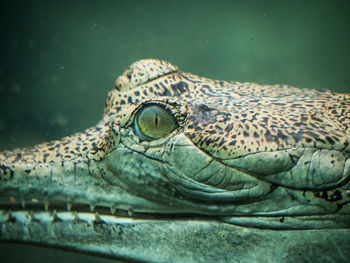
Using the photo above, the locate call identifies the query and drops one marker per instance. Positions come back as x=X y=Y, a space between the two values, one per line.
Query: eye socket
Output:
x=153 y=122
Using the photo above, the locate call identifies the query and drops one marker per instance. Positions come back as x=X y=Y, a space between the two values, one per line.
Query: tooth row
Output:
x=69 y=205
x=52 y=217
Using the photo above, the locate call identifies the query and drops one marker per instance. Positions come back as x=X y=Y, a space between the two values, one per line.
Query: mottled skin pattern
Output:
x=238 y=149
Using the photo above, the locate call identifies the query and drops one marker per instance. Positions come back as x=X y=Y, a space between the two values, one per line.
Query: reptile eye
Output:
x=153 y=122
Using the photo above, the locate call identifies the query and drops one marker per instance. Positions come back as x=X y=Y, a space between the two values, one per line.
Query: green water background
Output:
x=60 y=58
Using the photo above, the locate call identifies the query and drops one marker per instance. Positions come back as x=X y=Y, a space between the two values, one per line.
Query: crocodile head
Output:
x=174 y=153
x=173 y=142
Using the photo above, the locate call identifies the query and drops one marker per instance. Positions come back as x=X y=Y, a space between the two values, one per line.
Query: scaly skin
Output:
x=266 y=156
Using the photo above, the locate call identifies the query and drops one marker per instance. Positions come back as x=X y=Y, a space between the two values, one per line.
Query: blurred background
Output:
x=60 y=58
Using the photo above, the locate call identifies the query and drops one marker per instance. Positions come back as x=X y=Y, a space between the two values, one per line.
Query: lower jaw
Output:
x=169 y=240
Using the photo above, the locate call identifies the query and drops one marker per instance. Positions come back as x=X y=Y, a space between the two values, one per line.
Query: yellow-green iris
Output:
x=153 y=122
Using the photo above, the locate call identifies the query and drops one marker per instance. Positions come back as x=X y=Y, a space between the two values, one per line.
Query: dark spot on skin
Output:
x=335 y=196
x=222 y=142
x=316 y=119
x=278 y=103
x=179 y=88
x=203 y=108
x=207 y=87
x=281 y=135
x=293 y=158
x=166 y=92
x=298 y=136
x=232 y=143
x=303 y=118
x=6 y=170
x=265 y=120
x=218 y=128
x=346 y=144
x=229 y=127
x=45 y=156
x=330 y=140
x=315 y=136
x=270 y=138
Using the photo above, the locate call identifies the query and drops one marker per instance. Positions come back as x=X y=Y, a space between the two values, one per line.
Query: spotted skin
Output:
x=242 y=143
x=228 y=119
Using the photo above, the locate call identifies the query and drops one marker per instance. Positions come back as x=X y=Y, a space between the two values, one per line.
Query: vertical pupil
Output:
x=156 y=120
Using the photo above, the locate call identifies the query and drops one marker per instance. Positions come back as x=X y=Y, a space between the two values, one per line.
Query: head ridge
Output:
x=142 y=71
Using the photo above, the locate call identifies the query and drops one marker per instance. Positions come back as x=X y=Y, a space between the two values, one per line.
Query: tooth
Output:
x=69 y=206
x=92 y=207
x=55 y=217
x=75 y=214
x=46 y=205
x=31 y=214
x=112 y=210
x=11 y=218
x=130 y=212
x=98 y=218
